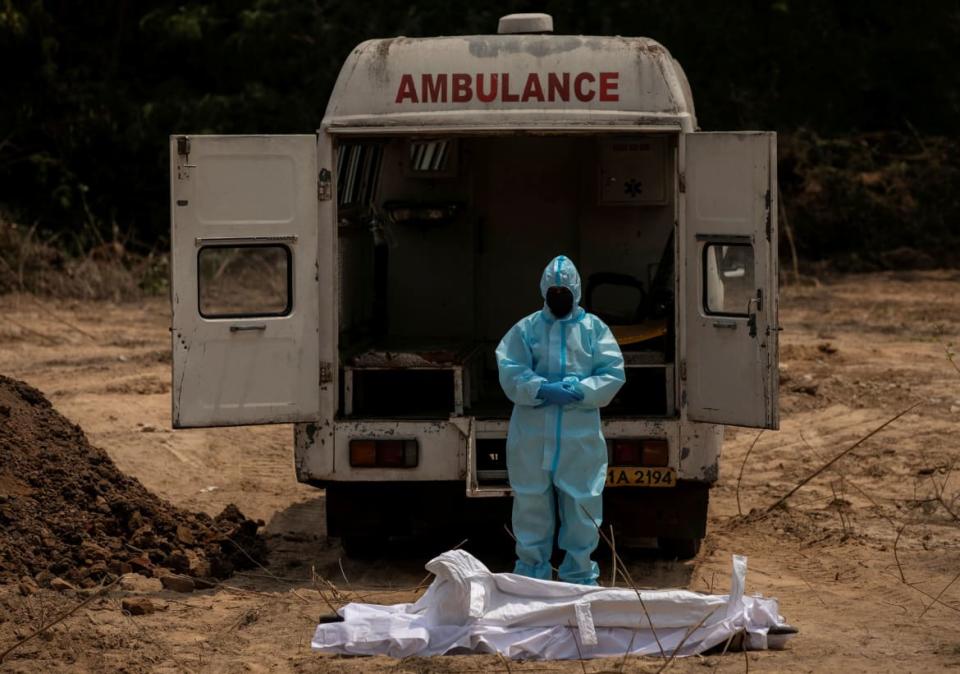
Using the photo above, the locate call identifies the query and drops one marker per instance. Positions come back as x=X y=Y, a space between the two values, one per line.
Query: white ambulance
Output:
x=355 y=282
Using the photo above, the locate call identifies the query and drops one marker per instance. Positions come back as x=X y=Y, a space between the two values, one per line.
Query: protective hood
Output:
x=561 y=272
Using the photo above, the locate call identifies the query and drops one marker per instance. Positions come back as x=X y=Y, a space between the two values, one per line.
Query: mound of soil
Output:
x=66 y=510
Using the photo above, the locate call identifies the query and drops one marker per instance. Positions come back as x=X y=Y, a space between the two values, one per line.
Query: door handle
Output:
x=247 y=328
x=732 y=325
x=752 y=315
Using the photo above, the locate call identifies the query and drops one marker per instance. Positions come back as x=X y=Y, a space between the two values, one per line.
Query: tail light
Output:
x=640 y=452
x=384 y=453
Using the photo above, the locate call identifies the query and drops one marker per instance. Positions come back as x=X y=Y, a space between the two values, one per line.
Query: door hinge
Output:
x=324 y=188
x=326 y=373
x=682 y=183
x=683 y=370
x=183 y=165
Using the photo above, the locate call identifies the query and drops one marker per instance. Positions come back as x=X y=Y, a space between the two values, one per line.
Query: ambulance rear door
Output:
x=246 y=228
x=729 y=370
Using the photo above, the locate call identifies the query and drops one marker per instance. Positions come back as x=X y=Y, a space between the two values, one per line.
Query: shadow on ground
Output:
x=300 y=549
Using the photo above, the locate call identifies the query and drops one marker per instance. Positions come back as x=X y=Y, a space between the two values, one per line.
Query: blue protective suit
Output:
x=553 y=449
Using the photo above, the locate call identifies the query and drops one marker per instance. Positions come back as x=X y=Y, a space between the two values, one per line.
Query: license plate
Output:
x=629 y=476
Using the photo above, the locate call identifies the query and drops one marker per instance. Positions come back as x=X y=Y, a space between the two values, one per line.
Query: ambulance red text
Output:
x=490 y=87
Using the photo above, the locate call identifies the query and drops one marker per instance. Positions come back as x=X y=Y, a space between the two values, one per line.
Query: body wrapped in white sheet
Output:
x=469 y=609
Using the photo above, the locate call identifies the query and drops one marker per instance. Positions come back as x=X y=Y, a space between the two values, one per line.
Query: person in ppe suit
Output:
x=558 y=366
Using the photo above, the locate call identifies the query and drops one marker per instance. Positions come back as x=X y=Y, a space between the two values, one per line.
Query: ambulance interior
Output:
x=442 y=242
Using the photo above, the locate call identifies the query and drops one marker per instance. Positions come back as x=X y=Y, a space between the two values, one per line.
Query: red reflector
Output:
x=390 y=453
x=627 y=453
x=363 y=453
x=384 y=453
x=640 y=452
x=655 y=453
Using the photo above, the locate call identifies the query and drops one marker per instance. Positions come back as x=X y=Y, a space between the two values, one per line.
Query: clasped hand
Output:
x=559 y=393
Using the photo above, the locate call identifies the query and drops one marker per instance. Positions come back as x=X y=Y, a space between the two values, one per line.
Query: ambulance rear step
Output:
x=487 y=458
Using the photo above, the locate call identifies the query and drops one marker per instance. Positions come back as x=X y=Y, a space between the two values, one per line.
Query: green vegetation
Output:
x=868 y=201
x=92 y=90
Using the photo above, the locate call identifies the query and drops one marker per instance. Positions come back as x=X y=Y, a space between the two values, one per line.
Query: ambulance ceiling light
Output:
x=518 y=24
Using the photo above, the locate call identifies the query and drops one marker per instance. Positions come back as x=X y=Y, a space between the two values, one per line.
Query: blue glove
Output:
x=559 y=393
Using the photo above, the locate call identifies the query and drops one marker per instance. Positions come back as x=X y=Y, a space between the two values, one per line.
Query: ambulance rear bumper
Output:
x=443 y=509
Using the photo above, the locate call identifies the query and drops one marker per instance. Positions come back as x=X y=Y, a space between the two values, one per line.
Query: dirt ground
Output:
x=861 y=558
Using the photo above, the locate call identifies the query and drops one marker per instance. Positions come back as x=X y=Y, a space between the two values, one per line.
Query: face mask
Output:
x=559 y=301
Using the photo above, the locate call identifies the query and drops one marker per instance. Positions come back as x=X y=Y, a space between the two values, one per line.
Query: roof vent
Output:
x=516 y=24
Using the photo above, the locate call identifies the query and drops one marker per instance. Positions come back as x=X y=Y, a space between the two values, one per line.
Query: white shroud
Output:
x=468 y=609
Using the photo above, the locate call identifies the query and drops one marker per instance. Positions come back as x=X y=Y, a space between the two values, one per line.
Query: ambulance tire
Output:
x=679 y=548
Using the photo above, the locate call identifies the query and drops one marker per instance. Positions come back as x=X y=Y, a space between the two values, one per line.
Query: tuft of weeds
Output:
x=108 y=271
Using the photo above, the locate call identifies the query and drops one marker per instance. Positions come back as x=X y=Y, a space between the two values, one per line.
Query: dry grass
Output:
x=108 y=271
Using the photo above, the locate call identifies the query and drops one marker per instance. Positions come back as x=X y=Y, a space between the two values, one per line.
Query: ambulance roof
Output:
x=489 y=82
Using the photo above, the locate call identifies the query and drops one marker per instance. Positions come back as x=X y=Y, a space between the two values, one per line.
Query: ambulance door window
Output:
x=728 y=278
x=244 y=281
